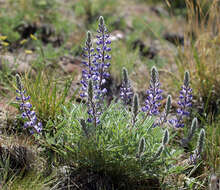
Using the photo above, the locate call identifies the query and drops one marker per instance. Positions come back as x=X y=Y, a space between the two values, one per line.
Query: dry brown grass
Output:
x=201 y=52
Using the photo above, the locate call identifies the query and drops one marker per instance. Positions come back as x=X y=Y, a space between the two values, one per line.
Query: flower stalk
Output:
x=25 y=106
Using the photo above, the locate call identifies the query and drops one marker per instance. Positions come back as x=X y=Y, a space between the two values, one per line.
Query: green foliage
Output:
x=5 y=78
x=212 y=147
x=24 y=12
x=8 y=23
x=113 y=148
x=33 y=180
x=122 y=57
x=47 y=95
x=93 y=8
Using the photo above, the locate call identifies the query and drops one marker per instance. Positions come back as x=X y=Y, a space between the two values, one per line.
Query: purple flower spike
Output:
x=28 y=114
x=96 y=72
x=154 y=97
x=193 y=158
x=126 y=92
x=88 y=72
x=103 y=50
x=184 y=103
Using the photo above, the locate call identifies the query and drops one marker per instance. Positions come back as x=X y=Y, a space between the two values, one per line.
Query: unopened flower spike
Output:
x=185 y=141
x=184 y=103
x=126 y=92
x=200 y=144
x=166 y=137
x=168 y=105
x=186 y=79
x=141 y=147
x=201 y=141
x=154 y=97
x=28 y=113
x=192 y=129
x=135 y=109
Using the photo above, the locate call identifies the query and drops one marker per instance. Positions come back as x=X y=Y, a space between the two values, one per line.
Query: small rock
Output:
x=117 y=35
x=114 y=36
x=149 y=52
x=15 y=64
x=214 y=183
x=160 y=11
x=176 y=39
x=71 y=64
x=26 y=29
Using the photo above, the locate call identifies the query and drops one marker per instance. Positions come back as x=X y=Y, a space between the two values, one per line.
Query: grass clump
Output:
x=201 y=55
x=46 y=95
x=18 y=158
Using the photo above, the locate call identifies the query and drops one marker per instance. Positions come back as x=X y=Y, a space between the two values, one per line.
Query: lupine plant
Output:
x=126 y=92
x=154 y=97
x=28 y=113
x=184 y=102
x=135 y=155
x=87 y=73
x=102 y=56
x=97 y=71
x=153 y=100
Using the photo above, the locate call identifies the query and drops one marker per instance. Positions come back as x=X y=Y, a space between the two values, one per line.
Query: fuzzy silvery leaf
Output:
x=159 y=151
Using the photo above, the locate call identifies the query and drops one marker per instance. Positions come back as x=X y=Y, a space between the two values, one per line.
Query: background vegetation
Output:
x=43 y=41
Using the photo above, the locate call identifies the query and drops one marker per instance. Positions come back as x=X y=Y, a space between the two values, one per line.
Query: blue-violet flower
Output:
x=184 y=103
x=126 y=92
x=27 y=112
x=96 y=72
x=102 y=58
x=154 y=97
x=88 y=72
